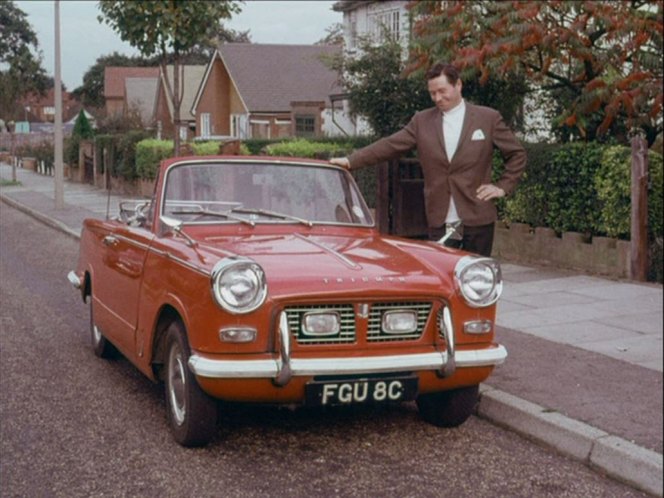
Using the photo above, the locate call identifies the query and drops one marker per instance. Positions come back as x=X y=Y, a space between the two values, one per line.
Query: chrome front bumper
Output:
x=282 y=368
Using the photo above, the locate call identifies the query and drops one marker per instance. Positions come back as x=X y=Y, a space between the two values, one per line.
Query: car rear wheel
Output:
x=100 y=345
x=448 y=408
x=192 y=413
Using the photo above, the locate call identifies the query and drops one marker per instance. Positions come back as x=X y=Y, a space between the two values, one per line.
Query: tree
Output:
x=600 y=59
x=387 y=91
x=335 y=35
x=377 y=89
x=19 y=50
x=166 y=27
x=91 y=92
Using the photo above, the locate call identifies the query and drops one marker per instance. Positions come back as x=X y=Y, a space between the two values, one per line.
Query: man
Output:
x=455 y=142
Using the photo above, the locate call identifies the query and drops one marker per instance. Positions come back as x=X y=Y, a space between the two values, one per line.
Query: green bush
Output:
x=125 y=154
x=613 y=186
x=304 y=148
x=528 y=203
x=571 y=201
x=205 y=148
x=149 y=153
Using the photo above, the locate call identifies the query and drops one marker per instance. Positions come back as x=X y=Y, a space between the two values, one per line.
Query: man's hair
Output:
x=450 y=72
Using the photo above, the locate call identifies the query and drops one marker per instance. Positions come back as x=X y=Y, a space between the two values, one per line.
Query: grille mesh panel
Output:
x=375 y=333
x=348 y=331
x=346 y=313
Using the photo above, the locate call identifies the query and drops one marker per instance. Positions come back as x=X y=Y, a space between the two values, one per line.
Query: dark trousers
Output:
x=475 y=239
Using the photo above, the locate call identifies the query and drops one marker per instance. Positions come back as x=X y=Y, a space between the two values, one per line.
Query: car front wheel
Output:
x=100 y=345
x=192 y=413
x=448 y=408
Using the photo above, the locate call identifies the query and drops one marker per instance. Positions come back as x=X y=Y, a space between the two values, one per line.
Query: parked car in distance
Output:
x=262 y=279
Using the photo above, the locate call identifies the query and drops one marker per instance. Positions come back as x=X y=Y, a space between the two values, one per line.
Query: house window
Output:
x=385 y=23
x=239 y=126
x=305 y=125
x=205 y=124
x=49 y=110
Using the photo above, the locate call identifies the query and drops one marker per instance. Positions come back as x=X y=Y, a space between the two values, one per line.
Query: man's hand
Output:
x=340 y=161
x=489 y=191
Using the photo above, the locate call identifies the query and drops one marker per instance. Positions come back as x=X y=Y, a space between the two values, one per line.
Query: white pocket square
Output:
x=477 y=135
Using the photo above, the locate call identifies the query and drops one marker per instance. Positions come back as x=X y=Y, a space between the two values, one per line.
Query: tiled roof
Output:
x=193 y=75
x=114 y=78
x=270 y=77
x=141 y=94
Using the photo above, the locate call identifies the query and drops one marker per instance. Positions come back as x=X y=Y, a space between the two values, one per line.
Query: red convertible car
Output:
x=261 y=279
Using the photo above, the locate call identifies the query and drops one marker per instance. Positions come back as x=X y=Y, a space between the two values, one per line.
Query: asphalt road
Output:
x=72 y=425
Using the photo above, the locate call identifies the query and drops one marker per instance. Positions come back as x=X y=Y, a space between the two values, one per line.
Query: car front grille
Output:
x=345 y=335
x=354 y=325
x=375 y=332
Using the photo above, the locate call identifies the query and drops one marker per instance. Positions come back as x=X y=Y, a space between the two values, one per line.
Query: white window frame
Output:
x=205 y=125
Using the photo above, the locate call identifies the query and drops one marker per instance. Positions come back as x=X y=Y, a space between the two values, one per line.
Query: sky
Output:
x=83 y=39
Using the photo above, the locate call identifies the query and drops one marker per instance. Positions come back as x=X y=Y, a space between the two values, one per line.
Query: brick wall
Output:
x=602 y=255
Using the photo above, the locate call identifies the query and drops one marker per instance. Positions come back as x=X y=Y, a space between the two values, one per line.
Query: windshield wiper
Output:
x=220 y=214
x=272 y=214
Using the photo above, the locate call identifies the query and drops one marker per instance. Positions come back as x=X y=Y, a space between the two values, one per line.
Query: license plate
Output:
x=358 y=391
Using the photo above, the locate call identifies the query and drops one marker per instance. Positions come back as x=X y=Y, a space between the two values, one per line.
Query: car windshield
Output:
x=251 y=193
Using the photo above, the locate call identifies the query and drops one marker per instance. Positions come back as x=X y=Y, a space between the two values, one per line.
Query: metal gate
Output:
x=400 y=199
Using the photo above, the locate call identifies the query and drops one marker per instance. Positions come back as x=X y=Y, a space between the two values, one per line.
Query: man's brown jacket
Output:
x=483 y=130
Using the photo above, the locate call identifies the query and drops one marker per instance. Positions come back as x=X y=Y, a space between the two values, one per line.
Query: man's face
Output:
x=443 y=94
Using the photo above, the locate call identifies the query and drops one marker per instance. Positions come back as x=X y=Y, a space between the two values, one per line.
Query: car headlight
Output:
x=480 y=280
x=399 y=322
x=321 y=323
x=238 y=285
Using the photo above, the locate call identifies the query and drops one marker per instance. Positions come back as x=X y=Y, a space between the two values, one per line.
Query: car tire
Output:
x=448 y=408
x=100 y=345
x=192 y=413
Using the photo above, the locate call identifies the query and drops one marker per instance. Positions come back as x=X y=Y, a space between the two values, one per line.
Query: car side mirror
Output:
x=175 y=226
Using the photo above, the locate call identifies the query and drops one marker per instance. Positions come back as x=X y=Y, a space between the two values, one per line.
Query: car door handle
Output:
x=110 y=241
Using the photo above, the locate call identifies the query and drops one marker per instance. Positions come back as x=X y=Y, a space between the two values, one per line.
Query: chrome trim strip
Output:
x=285 y=371
x=329 y=250
x=73 y=279
x=448 y=332
x=481 y=357
x=272 y=368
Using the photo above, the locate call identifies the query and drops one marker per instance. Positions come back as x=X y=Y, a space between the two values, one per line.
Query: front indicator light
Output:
x=399 y=322
x=478 y=327
x=237 y=335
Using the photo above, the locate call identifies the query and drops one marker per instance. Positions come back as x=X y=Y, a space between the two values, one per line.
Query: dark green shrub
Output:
x=82 y=127
x=305 y=148
x=613 y=186
x=528 y=203
x=44 y=154
x=571 y=200
x=149 y=153
x=125 y=163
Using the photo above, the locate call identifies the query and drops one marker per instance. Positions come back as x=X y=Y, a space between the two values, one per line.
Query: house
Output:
x=140 y=98
x=267 y=91
x=190 y=81
x=373 y=21
x=115 y=86
x=41 y=108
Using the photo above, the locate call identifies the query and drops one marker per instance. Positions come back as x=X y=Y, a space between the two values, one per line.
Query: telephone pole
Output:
x=58 y=159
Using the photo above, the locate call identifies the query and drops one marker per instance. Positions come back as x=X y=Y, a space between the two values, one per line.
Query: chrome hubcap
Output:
x=177 y=384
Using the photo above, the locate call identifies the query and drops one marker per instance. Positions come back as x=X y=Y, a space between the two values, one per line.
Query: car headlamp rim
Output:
x=388 y=318
x=313 y=321
x=249 y=279
x=478 y=294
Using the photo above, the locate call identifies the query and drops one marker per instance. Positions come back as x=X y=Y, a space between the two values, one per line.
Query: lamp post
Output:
x=58 y=159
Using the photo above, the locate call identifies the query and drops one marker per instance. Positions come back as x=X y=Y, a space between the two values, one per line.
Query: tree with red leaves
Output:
x=599 y=60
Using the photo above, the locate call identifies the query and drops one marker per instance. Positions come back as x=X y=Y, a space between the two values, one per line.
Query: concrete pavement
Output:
x=584 y=372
